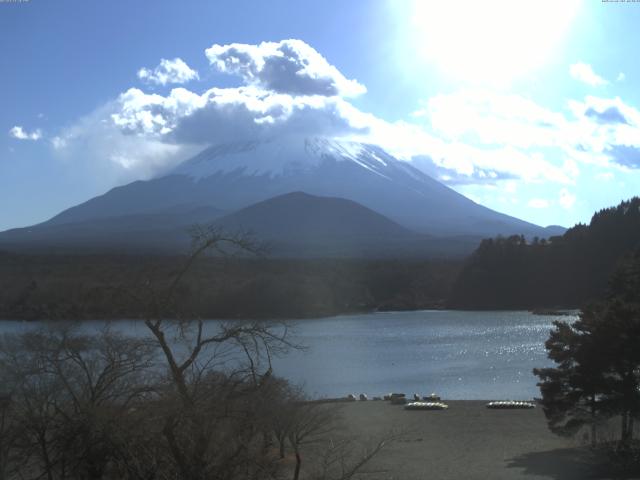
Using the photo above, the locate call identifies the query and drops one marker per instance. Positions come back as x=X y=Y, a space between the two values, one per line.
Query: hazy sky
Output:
x=530 y=108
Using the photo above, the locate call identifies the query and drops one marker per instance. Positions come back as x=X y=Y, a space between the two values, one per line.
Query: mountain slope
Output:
x=154 y=232
x=234 y=176
x=303 y=225
x=295 y=225
x=302 y=217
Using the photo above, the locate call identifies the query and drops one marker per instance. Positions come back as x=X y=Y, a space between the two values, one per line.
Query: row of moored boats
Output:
x=433 y=402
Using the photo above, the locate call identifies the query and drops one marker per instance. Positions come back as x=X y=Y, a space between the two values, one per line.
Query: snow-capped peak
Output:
x=280 y=156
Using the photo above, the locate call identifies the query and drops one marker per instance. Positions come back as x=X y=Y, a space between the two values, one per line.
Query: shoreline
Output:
x=569 y=312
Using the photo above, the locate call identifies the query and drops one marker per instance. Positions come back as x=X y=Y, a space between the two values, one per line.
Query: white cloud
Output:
x=485 y=137
x=601 y=131
x=605 y=176
x=606 y=132
x=21 y=134
x=585 y=74
x=290 y=88
x=511 y=187
x=493 y=119
x=169 y=71
x=570 y=167
x=228 y=114
x=566 y=199
x=140 y=133
x=467 y=137
x=114 y=153
x=539 y=203
x=460 y=163
x=58 y=142
x=543 y=144
x=605 y=110
x=621 y=77
x=290 y=67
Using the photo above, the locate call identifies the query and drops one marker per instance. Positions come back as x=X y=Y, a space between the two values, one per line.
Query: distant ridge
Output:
x=154 y=232
x=300 y=224
x=236 y=175
x=303 y=217
x=373 y=199
x=296 y=225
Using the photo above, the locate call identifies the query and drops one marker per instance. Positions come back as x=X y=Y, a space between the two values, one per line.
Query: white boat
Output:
x=426 y=406
x=510 y=405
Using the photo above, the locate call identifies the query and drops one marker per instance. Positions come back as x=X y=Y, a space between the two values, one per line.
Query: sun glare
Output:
x=490 y=41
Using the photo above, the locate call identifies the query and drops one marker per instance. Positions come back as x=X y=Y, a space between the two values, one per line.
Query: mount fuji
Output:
x=224 y=179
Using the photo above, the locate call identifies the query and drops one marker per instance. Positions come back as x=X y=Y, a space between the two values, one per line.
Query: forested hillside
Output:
x=99 y=286
x=565 y=271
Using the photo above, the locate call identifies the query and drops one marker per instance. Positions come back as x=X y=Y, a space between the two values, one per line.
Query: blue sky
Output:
x=532 y=110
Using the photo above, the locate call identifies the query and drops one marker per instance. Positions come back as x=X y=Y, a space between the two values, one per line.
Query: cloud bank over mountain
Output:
x=290 y=67
x=466 y=137
x=288 y=88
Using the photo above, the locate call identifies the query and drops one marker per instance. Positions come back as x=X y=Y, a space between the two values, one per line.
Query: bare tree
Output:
x=212 y=374
x=71 y=392
x=343 y=458
x=308 y=423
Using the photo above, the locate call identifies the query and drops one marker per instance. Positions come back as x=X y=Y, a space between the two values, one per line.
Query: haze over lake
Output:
x=456 y=354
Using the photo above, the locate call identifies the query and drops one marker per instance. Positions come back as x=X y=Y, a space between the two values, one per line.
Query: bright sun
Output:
x=490 y=41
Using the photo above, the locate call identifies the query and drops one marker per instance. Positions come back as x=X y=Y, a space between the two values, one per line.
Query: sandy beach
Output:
x=467 y=441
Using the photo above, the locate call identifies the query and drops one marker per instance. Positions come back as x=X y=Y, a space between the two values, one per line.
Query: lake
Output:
x=456 y=354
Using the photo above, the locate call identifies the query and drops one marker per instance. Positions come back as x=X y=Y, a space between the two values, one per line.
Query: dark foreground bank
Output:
x=468 y=441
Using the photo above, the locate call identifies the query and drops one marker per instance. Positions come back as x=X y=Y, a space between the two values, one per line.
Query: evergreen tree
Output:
x=598 y=361
x=572 y=392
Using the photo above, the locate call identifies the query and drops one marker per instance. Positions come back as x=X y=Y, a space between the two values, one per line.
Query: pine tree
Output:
x=572 y=392
x=598 y=361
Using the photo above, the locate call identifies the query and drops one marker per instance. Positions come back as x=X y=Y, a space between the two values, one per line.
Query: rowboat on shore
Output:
x=426 y=406
x=510 y=405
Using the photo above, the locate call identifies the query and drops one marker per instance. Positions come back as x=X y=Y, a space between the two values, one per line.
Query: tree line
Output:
x=565 y=271
x=91 y=286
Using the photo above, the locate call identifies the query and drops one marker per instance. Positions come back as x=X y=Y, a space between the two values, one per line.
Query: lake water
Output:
x=458 y=355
